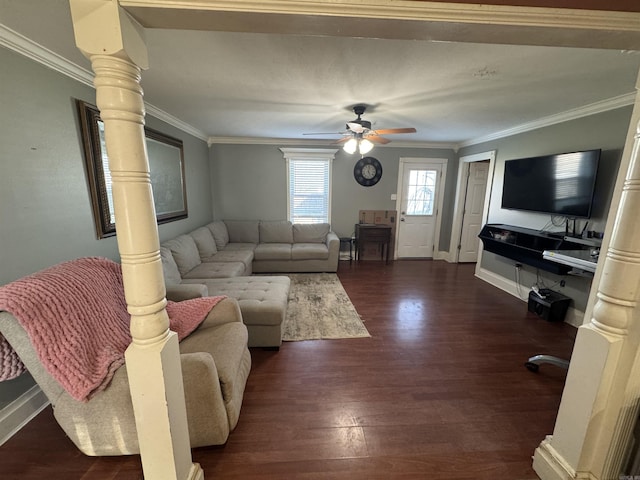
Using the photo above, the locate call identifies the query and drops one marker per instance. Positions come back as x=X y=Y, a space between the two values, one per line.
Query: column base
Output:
x=196 y=472
x=549 y=464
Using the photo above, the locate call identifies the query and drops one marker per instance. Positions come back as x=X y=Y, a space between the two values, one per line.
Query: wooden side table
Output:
x=366 y=233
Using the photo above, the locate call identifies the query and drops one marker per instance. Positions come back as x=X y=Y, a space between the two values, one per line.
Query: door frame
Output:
x=461 y=190
x=442 y=163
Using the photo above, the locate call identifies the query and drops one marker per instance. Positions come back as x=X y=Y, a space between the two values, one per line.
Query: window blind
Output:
x=309 y=190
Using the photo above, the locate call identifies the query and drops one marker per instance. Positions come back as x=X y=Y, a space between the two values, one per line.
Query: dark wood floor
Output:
x=438 y=392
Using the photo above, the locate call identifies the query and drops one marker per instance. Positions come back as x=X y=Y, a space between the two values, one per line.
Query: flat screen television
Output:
x=561 y=184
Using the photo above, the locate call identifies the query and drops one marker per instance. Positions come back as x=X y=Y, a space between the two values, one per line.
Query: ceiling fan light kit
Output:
x=365 y=146
x=350 y=146
x=361 y=144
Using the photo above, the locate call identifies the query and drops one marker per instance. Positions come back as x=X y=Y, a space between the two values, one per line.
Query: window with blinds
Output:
x=309 y=182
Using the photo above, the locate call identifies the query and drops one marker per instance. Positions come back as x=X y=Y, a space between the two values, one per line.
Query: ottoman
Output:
x=263 y=303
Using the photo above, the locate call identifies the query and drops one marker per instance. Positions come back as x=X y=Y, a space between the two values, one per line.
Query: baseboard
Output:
x=550 y=465
x=573 y=317
x=502 y=283
x=19 y=412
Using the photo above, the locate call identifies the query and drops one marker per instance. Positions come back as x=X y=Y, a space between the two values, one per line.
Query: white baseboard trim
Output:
x=502 y=283
x=574 y=317
x=550 y=465
x=19 y=412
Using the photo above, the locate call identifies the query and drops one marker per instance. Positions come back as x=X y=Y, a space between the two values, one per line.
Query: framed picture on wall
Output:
x=166 y=166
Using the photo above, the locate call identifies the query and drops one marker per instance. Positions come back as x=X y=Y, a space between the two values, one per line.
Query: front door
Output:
x=418 y=209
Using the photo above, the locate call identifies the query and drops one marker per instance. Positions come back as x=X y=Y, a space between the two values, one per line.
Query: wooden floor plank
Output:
x=439 y=391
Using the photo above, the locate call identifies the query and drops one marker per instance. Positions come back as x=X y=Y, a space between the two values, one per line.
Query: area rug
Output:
x=319 y=308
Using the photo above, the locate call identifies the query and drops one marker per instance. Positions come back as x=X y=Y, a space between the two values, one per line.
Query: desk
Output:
x=581 y=259
x=370 y=233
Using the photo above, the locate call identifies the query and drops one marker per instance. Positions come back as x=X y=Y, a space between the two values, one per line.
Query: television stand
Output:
x=526 y=245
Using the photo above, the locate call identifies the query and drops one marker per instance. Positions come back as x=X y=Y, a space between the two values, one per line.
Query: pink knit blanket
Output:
x=76 y=317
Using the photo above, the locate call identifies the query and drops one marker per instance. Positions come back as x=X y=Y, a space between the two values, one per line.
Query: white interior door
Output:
x=473 y=211
x=419 y=207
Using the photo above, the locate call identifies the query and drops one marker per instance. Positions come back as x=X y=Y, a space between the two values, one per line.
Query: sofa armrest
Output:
x=206 y=412
x=180 y=292
x=226 y=310
x=333 y=244
x=108 y=422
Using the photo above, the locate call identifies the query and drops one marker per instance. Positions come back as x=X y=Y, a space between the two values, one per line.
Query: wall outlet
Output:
x=394 y=196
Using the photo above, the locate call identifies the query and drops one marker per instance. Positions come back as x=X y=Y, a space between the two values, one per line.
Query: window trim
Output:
x=314 y=154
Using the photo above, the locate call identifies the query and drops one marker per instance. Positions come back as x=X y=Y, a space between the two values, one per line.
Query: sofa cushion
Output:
x=273 y=251
x=276 y=232
x=243 y=231
x=185 y=253
x=239 y=247
x=310 y=233
x=204 y=241
x=244 y=256
x=220 y=235
x=309 y=251
x=169 y=267
x=215 y=270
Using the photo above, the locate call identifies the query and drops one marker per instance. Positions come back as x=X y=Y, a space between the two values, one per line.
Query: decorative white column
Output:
x=114 y=43
x=600 y=401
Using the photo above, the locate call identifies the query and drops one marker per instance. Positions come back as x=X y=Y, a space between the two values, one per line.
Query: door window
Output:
x=421 y=192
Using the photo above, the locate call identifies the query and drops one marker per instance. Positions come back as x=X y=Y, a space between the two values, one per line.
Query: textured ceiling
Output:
x=229 y=84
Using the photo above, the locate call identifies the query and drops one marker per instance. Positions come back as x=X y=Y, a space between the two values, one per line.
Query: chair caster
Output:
x=532 y=367
x=534 y=362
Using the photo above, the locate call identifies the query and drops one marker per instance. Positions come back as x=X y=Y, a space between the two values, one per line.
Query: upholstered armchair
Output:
x=215 y=366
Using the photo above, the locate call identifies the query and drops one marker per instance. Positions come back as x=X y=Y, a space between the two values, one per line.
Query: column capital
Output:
x=103 y=27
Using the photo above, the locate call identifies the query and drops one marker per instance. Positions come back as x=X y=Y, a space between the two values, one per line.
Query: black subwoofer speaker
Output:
x=552 y=307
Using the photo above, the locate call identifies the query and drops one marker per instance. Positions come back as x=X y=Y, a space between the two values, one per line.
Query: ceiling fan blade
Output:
x=377 y=139
x=342 y=140
x=355 y=127
x=388 y=131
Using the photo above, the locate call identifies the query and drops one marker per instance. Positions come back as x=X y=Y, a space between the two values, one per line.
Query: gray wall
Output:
x=249 y=182
x=606 y=131
x=45 y=208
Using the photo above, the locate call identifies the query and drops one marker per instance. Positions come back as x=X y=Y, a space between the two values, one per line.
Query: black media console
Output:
x=526 y=245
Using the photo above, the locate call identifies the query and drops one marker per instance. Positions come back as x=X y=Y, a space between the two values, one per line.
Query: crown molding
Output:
x=26 y=47
x=267 y=141
x=574 y=114
x=175 y=122
x=436 y=145
x=303 y=142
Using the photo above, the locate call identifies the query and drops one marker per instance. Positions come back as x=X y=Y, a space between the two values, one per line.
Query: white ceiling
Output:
x=228 y=84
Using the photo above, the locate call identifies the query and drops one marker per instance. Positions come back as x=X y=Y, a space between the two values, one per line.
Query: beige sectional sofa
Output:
x=219 y=259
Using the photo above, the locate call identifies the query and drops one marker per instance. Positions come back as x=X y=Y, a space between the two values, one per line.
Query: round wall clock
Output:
x=367 y=171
